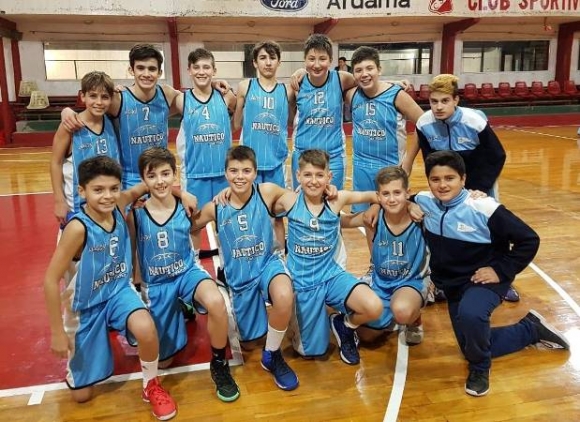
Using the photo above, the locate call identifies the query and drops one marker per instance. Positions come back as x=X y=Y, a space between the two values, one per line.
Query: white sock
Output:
x=274 y=339
x=150 y=370
x=348 y=323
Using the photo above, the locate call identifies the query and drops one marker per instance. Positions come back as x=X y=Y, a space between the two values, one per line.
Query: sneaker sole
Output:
x=281 y=387
x=345 y=360
x=227 y=399
x=161 y=418
x=541 y=320
x=475 y=393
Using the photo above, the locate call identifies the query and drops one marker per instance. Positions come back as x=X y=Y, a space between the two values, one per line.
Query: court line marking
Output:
x=541 y=133
x=24 y=194
x=554 y=285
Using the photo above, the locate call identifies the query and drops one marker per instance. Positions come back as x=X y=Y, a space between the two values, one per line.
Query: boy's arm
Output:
x=174 y=99
x=291 y=94
x=411 y=110
x=507 y=228
x=130 y=195
x=71 y=120
x=348 y=96
x=352 y=221
x=347 y=197
x=491 y=158
x=60 y=146
x=240 y=101
x=202 y=218
x=68 y=247
x=133 y=235
x=346 y=80
x=230 y=99
x=221 y=85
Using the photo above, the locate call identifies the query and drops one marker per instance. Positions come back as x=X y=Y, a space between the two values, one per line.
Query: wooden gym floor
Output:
x=540 y=183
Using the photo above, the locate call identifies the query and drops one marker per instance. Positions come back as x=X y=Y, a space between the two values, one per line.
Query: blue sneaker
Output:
x=346 y=338
x=284 y=376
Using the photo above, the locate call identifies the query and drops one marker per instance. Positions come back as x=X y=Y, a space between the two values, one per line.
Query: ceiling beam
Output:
x=325 y=27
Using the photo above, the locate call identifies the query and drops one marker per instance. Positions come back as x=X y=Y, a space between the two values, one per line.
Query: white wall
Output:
x=9 y=71
x=574 y=72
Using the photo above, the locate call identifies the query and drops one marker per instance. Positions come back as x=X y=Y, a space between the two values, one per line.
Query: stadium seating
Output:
x=504 y=91
x=570 y=89
x=538 y=91
x=470 y=93
x=555 y=90
x=487 y=92
x=411 y=91
x=522 y=91
x=424 y=93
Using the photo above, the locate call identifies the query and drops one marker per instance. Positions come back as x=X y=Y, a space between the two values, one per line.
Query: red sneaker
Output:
x=163 y=406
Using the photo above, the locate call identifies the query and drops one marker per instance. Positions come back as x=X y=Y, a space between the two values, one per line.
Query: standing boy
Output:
x=316 y=262
x=401 y=271
x=100 y=296
x=170 y=274
x=96 y=138
x=477 y=249
x=253 y=271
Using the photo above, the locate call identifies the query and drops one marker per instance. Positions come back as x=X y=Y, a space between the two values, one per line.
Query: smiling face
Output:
x=159 y=180
x=445 y=182
x=317 y=63
x=201 y=73
x=442 y=105
x=393 y=197
x=101 y=194
x=240 y=175
x=367 y=74
x=146 y=73
x=313 y=179
x=97 y=101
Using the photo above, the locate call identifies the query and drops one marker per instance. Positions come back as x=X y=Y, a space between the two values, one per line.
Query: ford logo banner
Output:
x=285 y=5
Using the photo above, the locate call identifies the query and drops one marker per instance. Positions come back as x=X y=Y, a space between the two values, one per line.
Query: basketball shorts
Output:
x=205 y=189
x=276 y=175
x=363 y=179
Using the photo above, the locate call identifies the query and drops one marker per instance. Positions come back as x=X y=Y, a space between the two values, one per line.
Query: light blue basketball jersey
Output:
x=88 y=144
x=265 y=124
x=142 y=125
x=376 y=137
x=206 y=136
x=399 y=258
x=165 y=250
x=315 y=247
x=320 y=116
x=247 y=239
x=105 y=265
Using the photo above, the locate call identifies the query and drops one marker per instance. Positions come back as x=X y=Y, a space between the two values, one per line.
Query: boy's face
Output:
x=159 y=180
x=240 y=176
x=102 y=193
x=201 y=73
x=366 y=74
x=393 y=196
x=146 y=73
x=97 y=101
x=317 y=63
x=313 y=180
x=266 y=64
x=445 y=183
x=442 y=105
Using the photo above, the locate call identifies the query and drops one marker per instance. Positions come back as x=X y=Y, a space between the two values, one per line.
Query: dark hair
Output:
x=365 y=53
x=154 y=157
x=199 y=54
x=390 y=174
x=342 y=58
x=271 y=47
x=240 y=153
x=318 y=42
x=97 y=80
x=144 y=52
x=445 y=158
x=317 y=157
x=94 y=167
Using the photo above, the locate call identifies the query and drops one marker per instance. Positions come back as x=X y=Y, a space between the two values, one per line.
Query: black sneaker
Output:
x=187 y=311
x=346 y=338
x=226 y=388
x=477 y=383
x=512 y=295
x=548 y=335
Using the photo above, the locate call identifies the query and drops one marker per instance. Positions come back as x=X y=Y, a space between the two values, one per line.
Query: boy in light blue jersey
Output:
x=316 y=261
x=401 y=272
x=254 y=273
x=169 y=273
x=96 y=138
x=100 y=296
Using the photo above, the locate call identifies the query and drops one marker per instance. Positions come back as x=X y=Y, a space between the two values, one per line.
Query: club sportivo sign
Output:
x=285 y=5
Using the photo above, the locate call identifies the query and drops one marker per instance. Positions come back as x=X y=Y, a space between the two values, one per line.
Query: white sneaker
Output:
x=413 y=334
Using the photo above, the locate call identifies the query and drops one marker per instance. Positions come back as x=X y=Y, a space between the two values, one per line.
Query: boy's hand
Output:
x=70 y=120
x=61 y=210
x=223 y=198
x=477 y=194
x=371 y=215
x=296 y=78
x=59 y=344
x=485 y=275
x=331 y=192
x=415 y=212
x=221 y=85
x=119 y=88
x=189 y=202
